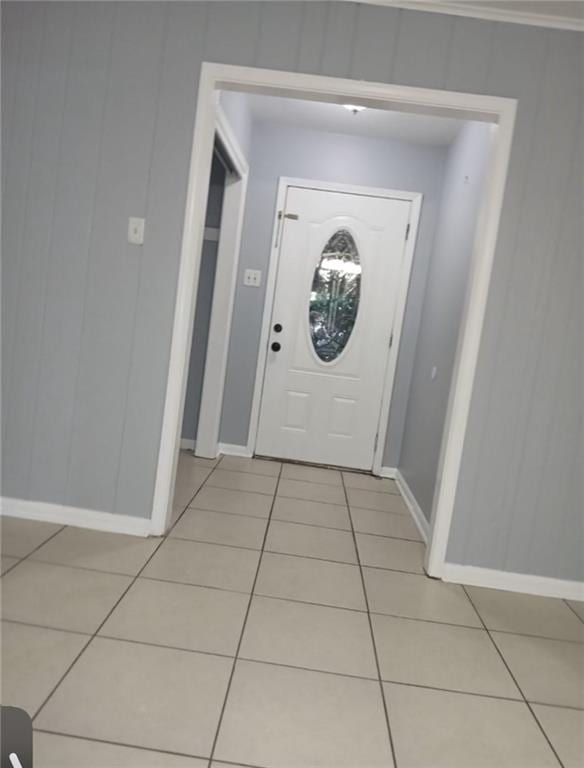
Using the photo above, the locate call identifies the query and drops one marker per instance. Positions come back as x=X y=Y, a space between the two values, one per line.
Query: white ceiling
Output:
x=377 y=123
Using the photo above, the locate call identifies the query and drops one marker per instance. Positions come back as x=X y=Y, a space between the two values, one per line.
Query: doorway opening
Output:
x=497 y=113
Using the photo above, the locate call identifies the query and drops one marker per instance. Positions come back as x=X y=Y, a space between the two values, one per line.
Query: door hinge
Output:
x=376 y=441
x=408 y=230
x=391 y=340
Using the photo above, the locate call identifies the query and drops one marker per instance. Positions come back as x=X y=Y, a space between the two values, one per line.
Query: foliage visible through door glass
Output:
x=334 y=299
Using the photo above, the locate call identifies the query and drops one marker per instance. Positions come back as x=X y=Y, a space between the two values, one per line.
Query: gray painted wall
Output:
x=276 y=151
x=442 y=309
x=204 y=304
x=98 y=104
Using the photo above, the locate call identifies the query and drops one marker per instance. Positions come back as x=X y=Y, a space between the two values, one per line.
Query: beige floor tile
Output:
x=180 y=695
x=60 y=597
x=187 y=458
x=440 y=656
x=369 y=483
x=438 y=729
x=565 y=730
x=304 y=635
x=53 y=751
x=113 y=552
x=314 y=581
x=311 y=513
x=309 y=541
x=312 y=474
x=299 y=489
x=526 y=614
x=394 y=554
x=235 y=502
x=194 y=618
x=33 y=661
x=383 y=502
x=547 y=671
x=221 y=528
x=254 y=466
x=20 y=537
x=7 y=562
x=286 y=718
x=418 y=597
x=208 y=565
x=578 y=607
x=243 y=481
x=385 y=524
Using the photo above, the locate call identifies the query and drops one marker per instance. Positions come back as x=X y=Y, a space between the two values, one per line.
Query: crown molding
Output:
x=478 y=11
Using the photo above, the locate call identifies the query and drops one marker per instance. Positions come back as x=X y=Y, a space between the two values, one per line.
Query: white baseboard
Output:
x=415 y=510
x=77 y=516
x=235 y=450
x=186 y=444
x=389 y=472
x=543 y=586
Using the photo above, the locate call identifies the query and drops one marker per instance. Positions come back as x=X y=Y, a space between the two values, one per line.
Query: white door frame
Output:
x=494 y=109
x=415 y=198
x=207 y=440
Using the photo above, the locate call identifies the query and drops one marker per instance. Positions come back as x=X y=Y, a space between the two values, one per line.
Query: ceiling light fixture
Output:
x=354 y=108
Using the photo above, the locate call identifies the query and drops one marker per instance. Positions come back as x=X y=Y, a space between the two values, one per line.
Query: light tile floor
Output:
x=284 y=622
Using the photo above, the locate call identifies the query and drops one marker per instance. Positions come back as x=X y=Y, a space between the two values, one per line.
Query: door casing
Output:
x=497 y=110
x=415 y=200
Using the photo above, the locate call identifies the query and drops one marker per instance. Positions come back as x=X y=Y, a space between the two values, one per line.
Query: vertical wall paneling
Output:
x=35 y=241
x=279 y=37
x=337 y=50
x=516 y=69
x=165 y=206
x=469 y=55
x=16 y=170
x=81 y=139
x=314 y=19
x=115 y=266
x=376 y=33
x=233 y=30
x=423 y=49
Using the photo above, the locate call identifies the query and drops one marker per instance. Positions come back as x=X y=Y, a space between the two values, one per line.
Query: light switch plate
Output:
x=136 y=231
x=252 y=277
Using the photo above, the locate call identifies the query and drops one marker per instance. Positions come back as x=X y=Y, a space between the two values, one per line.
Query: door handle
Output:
x=276 y=346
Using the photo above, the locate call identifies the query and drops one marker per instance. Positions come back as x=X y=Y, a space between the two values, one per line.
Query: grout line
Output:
x=109 y=613
x=574 y=611
x=229 y=682
x=223 y=512
x=117 y=743
x=507 y=666
x=26 y=557
x=375 y=653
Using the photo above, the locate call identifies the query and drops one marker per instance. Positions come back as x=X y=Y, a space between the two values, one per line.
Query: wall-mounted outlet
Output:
x=252 y=277
x=136 y=231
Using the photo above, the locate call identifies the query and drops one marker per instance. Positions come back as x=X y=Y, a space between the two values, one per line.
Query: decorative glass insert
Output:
x=334 y=299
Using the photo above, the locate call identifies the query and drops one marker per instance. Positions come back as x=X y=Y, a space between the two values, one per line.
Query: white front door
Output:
x=333 y=311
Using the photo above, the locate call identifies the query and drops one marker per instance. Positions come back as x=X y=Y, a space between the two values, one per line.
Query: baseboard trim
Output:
x=229 y=449
x=389 y=472
x=187 y=444
x=542 y=586
x=77 y=516
x=415 y=510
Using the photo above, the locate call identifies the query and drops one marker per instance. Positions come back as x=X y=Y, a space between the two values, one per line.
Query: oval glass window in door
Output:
x=335 y=294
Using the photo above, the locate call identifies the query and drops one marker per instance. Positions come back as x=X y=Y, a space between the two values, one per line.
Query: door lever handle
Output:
x=276 y=346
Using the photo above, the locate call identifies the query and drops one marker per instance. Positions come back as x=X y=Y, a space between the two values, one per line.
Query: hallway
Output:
x=284 y=622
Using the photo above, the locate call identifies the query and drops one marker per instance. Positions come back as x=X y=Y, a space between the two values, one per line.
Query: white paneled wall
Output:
x=97 y=108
